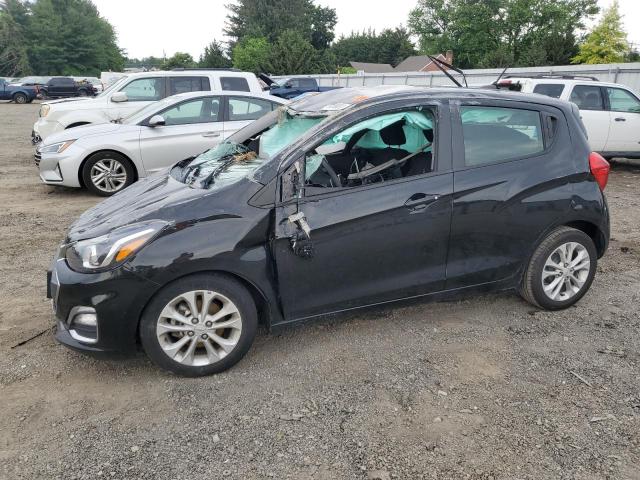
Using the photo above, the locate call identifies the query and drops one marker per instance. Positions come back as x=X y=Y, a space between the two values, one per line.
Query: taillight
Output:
x=599 y=169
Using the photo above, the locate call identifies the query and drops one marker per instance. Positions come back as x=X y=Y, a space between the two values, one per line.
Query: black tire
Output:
x=107 y=156
x=220 y=283
x=532 y=289
x=82 y=93
x=20 y=98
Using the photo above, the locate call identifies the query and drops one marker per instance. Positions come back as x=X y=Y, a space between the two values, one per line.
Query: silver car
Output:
x=108 y=157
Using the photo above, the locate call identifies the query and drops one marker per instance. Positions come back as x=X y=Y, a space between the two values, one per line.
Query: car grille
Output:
x=37 y=157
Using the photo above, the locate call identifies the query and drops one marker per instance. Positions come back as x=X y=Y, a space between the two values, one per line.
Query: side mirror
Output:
x=119 y=97
x=156 y=121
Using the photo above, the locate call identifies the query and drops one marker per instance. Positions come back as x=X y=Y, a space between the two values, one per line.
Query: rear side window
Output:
x=622 y=101
x=247 y=108
x=238 y=84
x=549 y=89
x=587 y=97
x=188 y=84
x=494 y=134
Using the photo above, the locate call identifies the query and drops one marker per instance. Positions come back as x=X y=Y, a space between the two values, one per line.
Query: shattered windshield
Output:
x=230 y=161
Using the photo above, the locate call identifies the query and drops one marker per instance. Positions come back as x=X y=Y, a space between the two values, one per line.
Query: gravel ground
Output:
x=481 y=388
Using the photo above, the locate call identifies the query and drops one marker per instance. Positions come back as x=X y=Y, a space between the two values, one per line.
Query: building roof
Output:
x=372 y=67
x=415 y=63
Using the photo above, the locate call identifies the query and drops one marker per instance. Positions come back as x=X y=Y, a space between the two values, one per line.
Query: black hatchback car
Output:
x=341 y=200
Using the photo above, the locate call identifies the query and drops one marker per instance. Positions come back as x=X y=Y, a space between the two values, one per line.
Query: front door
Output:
x=191 y=127
x=624 y=107
x=367 y=243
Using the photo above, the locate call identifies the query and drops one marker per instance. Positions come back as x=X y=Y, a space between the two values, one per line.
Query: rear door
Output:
x=511 y=180
x=240 y=111
x=596 y=118
x=624 y=110
x=192 y=127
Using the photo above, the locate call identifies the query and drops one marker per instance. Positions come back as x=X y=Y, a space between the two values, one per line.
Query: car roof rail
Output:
x=204 y=69
x=556 y=76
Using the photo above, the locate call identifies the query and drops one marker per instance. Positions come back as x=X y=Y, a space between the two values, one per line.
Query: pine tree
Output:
x=607 y=42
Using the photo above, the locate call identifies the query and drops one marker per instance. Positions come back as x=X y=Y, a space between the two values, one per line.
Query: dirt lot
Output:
x=481 y=388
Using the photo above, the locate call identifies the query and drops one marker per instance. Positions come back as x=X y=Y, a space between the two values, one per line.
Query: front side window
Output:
x=379 y=149
x=144 y=89
x=549 y=89
x=495 y=134
x=201 y=110
x=245 y=108
x=622 y=101
x=239 y=84
x=307 y=83
x=187 y=84
x=587 y=97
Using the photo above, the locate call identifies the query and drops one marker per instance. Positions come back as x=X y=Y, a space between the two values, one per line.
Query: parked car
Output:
x=64 y=87
x=108 y=157
x=17 y=93
x=296 y=86
x=346 y=199
x=93 y=81
x=609 y=111
x=31 y=81
x=133 y=92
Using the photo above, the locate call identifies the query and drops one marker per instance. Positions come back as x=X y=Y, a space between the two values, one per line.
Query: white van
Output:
x=609 y=111
x=133 y=92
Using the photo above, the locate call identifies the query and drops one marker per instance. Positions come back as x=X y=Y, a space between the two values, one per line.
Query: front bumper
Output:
x=43 y=128
x=118 y=298
x=61 y=168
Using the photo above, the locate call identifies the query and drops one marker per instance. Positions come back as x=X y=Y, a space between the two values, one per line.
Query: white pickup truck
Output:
x=609 y=111
x=131 y=93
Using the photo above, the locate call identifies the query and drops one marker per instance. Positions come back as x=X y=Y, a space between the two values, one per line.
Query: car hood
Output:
x=83 y=131
x=161 y=197
x=67 y=100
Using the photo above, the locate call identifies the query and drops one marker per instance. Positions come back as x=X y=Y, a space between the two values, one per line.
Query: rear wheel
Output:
x=561 y=269
x=199 y=325
x=20 y=98
x=106 y=173
x=82 y=93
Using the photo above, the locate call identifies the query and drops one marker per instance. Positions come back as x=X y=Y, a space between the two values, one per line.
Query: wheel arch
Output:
x=76 y=124
x=263 y=306
x=136 y=174
x=593 y=231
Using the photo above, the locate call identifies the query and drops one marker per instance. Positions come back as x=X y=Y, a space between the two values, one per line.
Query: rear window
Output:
x=494 y=134
x=247 y=108
x=549 y=89
x=188 y=84
x=237 y=84
x=587 y=97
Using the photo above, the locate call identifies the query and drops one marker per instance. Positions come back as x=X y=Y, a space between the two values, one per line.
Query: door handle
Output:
x=420 y=201
x=211 y=134
x=621 y=119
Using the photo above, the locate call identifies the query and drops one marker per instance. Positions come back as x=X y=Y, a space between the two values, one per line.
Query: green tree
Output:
x=69 y=37
x=269 y=18
x=391 y=46
x=293 y=54
x=494 y=33
x=214 y=56
x=179 y=60
x=607 y=42
x=252 y=54
x=14 y=60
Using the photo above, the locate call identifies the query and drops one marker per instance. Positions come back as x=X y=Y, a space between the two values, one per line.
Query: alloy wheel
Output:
x=108 y=175
x=566 y=271
x=199 y=328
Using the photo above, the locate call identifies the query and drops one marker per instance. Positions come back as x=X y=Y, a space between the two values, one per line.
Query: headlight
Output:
x=113 y=249
x=56 y=147
x=44 y=110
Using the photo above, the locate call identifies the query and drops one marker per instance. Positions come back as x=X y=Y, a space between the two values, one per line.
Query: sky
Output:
x=149 y=28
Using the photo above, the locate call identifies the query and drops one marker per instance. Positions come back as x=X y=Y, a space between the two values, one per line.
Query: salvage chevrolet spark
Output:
x=341 y=200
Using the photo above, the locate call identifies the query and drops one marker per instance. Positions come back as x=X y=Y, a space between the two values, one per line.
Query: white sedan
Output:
x=108 y=157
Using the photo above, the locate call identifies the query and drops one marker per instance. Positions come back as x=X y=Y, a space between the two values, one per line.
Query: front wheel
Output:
x=561 y=269
x=199 y=325
x=20 y=98
x=106 y=173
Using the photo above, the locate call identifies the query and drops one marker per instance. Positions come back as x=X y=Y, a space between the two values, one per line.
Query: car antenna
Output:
x=500 y=76
x=442 y=66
